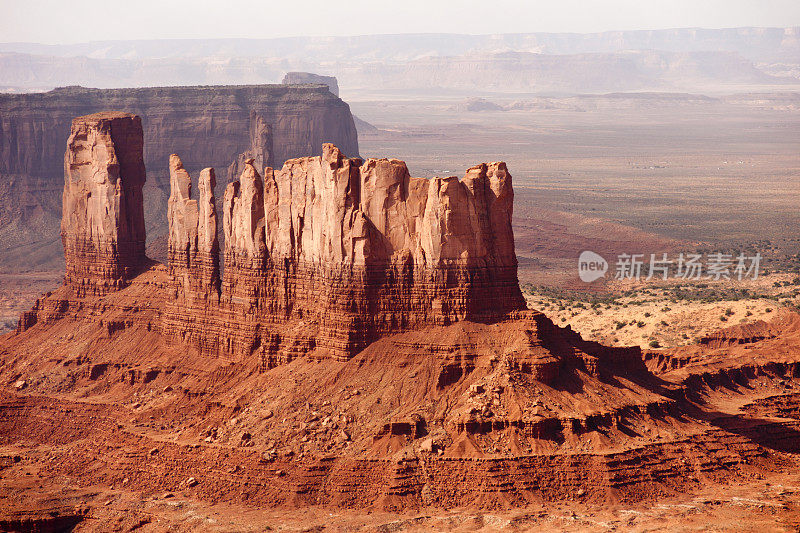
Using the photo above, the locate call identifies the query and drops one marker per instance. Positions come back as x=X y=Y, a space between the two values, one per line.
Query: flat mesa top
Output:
x=102 y=116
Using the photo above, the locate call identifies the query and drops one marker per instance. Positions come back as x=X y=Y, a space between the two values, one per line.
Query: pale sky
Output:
x=71 y=21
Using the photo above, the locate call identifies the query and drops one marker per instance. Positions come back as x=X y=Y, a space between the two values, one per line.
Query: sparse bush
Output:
x=664 y=323
x=654 y=344
x=640 y=324
x=729 y=312
x=768 y=310
x=647 y=315
x=723 y=318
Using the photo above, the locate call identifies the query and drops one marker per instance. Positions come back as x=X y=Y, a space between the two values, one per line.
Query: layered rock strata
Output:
x=193 y=245
x=339 y=252
x=102 y=227
x=203 y=124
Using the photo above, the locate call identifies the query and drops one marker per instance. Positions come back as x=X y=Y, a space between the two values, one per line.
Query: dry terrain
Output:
x=108 y=425
x=722 y=170
x=667 y=313
x=19 y=291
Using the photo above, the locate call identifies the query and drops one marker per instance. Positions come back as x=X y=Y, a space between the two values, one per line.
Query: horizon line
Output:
x=157 y=39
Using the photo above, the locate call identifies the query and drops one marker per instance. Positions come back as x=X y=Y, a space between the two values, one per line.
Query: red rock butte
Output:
x=102 y=226
x=328 y=253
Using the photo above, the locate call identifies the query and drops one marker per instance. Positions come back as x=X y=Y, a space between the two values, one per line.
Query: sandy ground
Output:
x=649 y=314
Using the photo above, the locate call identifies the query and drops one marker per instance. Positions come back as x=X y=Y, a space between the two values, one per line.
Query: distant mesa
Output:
x=363 y=127
x=308 y=77
x=477 y=105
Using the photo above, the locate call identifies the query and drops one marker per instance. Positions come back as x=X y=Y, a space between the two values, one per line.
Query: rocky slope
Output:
x=468 y=415
x=206 y=125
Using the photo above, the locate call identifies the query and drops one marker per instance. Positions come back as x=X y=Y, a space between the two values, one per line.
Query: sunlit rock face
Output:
x=102 y=226
x=333 y=253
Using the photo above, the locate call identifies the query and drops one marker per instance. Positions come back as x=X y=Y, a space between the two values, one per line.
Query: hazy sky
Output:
x=67 y=21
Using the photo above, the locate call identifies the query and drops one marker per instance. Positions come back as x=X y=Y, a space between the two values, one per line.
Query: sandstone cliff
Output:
x=342 y=252
x=102 y=228
x=260 y=148
x=208 y=126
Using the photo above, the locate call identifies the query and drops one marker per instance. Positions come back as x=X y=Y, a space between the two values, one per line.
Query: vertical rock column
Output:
x=245 y=249
x=102 y=227
x=193 y=248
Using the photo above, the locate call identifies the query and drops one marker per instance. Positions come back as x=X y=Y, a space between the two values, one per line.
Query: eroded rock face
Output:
x=193 y=248
x=102 y=228
x=334 y=253
x=260 y=150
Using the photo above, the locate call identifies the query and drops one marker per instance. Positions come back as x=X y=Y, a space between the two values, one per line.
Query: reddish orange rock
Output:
x=193 y=248
x=334 y=253
x=103 y=212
